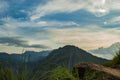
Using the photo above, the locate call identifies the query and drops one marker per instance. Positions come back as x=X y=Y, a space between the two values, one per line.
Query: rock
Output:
x=90 y=71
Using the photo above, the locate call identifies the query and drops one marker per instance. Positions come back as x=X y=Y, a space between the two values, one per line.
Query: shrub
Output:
x=116 y=59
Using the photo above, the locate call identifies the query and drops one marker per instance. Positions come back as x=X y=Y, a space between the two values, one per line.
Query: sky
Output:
x=48 y=24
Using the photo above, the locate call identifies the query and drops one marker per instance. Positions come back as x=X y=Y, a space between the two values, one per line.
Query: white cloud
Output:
x=97 y=7
x=115 y=20
x=57 y=23
x=11 y=28
x=56 y=6
x=11 y=23
x=85 y=38
x=113 y=4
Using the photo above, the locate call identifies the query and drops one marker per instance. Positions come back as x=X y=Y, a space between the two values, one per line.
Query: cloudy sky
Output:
x=48 y=24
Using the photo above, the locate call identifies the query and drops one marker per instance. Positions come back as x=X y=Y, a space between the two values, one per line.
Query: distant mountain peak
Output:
x=117 y=44
x=108 y=52
x=71 y=47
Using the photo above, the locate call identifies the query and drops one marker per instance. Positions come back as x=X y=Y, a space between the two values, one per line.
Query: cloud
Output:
x=114 y=20
x=18 y=42
x=59 y=33
x=41 y=23
x=113 y=4
x=97 y=7
x=57 y=24
x=84 y=37
x=54 y=6
x=3 y=6
x=30 y=29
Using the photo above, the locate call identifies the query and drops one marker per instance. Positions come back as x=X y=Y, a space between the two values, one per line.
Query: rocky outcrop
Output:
x=90 y=71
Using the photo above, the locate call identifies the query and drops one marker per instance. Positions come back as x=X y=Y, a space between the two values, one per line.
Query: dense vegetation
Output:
x=9 y=72
x=59 y=73
x=116 y=59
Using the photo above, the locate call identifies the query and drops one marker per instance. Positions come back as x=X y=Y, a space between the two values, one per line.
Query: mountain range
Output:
x=108 y=52
x=41 y=63
x=32 y=55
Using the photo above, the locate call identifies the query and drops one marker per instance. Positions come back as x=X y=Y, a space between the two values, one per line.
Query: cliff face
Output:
x=90 y=71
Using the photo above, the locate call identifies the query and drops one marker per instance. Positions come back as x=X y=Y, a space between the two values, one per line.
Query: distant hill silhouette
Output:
x=32 y=55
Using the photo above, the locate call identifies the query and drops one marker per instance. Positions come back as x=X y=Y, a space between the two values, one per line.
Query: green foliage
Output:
x=75 y=72
x=61 y=73
x=7 y=73
x=116 y=59
x=24 y=75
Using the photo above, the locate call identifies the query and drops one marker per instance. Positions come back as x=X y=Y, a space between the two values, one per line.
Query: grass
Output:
x=116 y=59
x=22 y=73
x=9 y=73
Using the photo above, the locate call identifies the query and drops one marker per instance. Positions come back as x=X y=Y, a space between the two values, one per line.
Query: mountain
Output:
x=68 y=56
x=36 y=56
x=4 y=56
x=31 y=55
x=108 y=52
